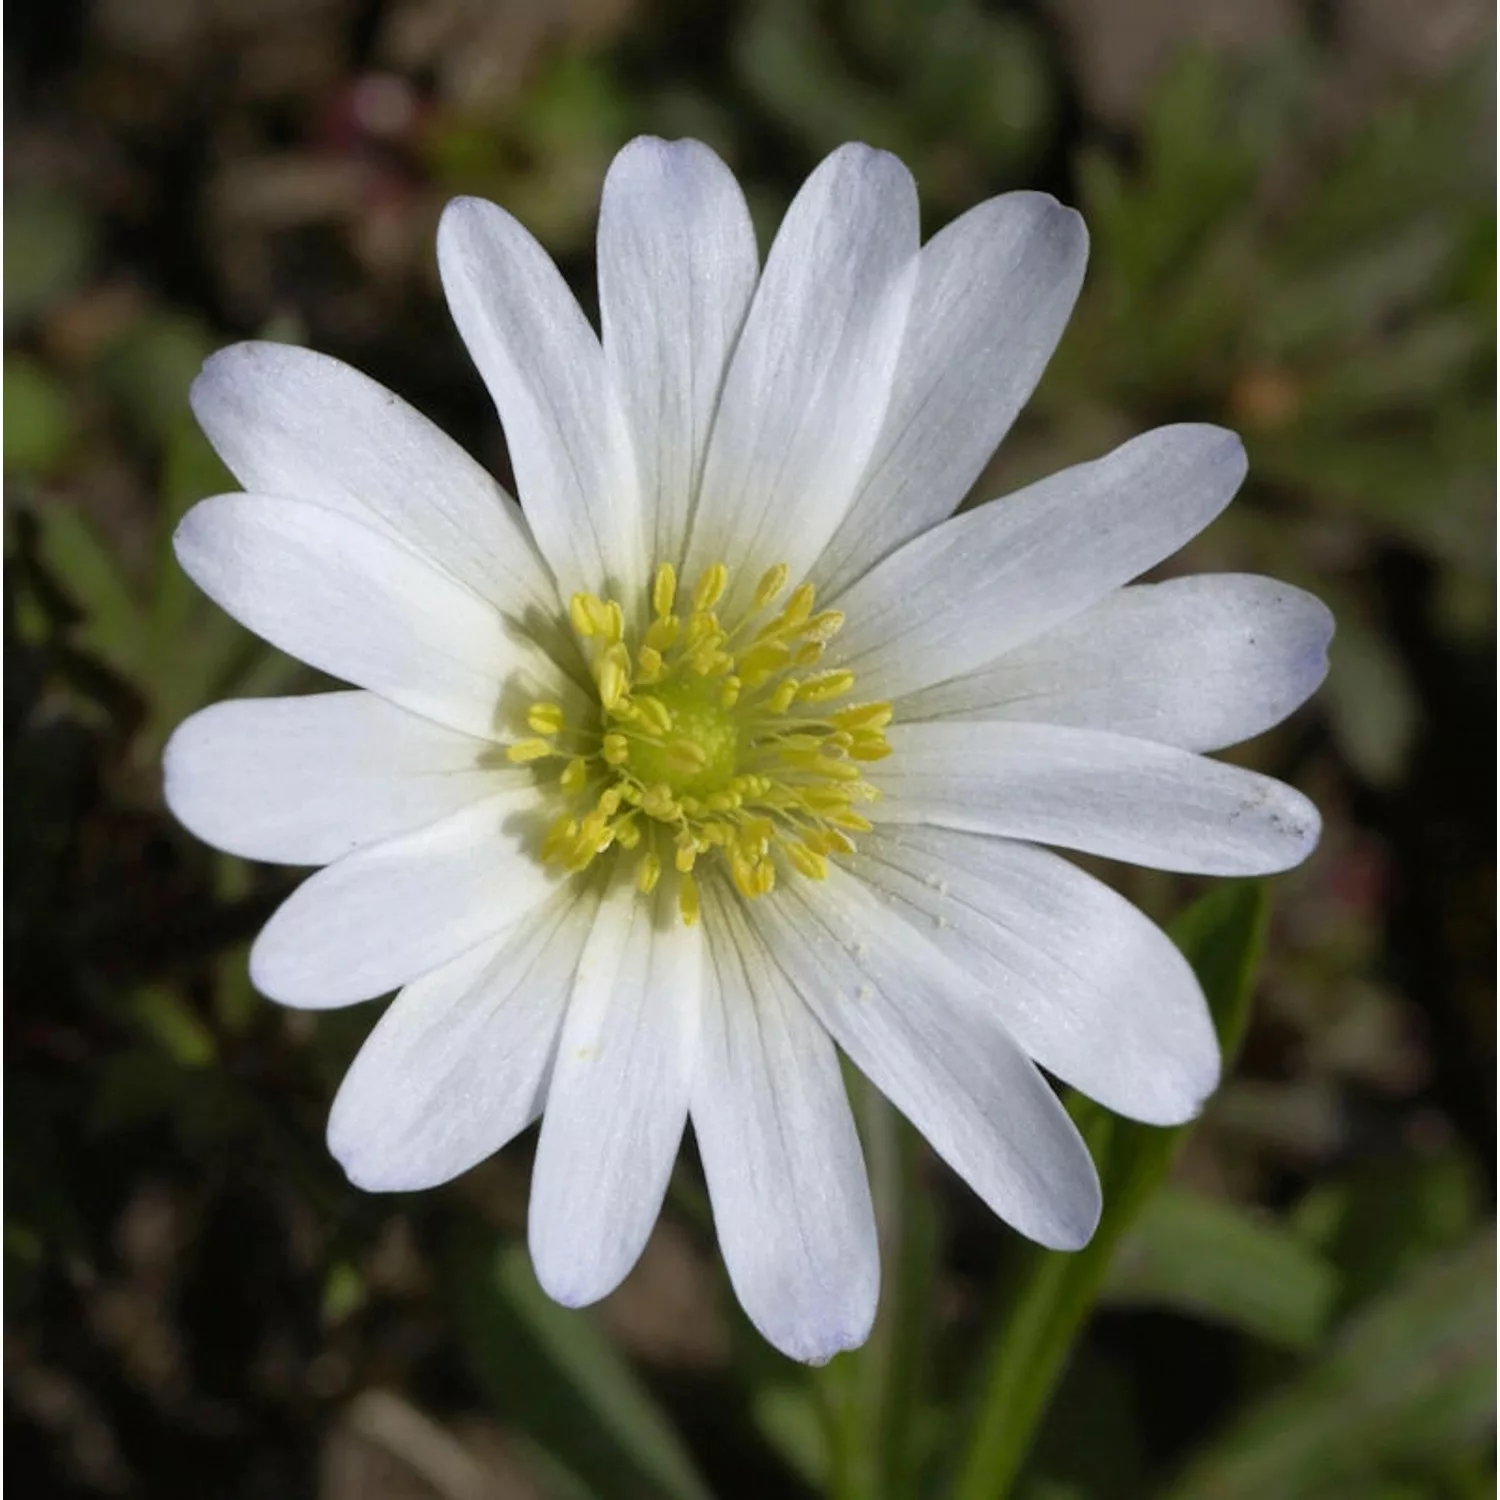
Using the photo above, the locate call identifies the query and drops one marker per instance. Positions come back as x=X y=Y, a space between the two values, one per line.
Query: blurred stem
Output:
x=872 y=1396
x=1046 y=1303
x=1048 y=1295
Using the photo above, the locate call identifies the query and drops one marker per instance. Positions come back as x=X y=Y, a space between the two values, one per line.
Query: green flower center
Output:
x=704 y=752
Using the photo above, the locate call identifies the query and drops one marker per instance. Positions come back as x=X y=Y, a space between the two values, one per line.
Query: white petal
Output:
x=459 y=1063
x=341 y=597
x=619 y=1095
x=994 y=290
x=1198 y=662
x=790 y=1195
x=677 y=268
x=918 y=1028
x=985 y=581
x=810 y=379
x=1093 y=990
x=397 y=910
x=545 y=372
x=1100 y=793
x=297 y=424
x=303 y=781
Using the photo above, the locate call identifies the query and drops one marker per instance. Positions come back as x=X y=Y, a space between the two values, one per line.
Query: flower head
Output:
x=736 y=745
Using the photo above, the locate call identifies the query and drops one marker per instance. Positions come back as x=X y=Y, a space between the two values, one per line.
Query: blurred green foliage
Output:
x=1296 y=1300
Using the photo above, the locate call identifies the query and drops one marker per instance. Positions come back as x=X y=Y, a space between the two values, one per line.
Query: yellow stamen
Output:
x=545 y=718
x=772 y=581
x=708 y=747
x=710 y=587
x=664 y=590
x=528 y=750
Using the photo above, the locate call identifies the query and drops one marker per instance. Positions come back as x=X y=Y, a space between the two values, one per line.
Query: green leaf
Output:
x=1408 y=1383
x=1213 y=1259
x=551 y=1372
x=150 y=366
x=114 y=626
x=38 y=419
x=1048 y=1295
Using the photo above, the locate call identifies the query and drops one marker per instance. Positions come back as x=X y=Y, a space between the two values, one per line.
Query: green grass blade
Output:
x=1215 y=1260
x=1408 y=1383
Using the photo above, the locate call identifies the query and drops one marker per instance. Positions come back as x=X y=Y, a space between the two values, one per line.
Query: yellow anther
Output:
x=772 y=581
x=614 y=677
x=807 y=653
x=664 y=590
x=869 y=747
x=686 y=757
x=710 y=586
x=825 y=685
x=808 y=861
x=614 y=623
x=609 y=801
x=863 y=716
x=709 y=661
x=575 y=775
x=701 y=627
x=545 y=718
x=578 y=613
x=686 y=855
x=627 y=835
x=647 y=871
x=653 y=713
x=657 y=801
x=729 y=694
x=799 y=606
x=648 y=664
x=687 y=900
x=661 y=635
x=758 y=663
x=784 y=696
x=616 y=749
x=851 y=821
x=825 y=626
x=528 y=750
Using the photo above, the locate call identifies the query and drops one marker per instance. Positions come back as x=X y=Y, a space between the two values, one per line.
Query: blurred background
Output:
x=1293 y=221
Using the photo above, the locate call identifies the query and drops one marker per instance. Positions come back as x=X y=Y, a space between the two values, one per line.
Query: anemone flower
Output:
x=731 y=747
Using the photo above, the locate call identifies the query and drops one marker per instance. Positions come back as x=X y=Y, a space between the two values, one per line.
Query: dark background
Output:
x=1293 y=233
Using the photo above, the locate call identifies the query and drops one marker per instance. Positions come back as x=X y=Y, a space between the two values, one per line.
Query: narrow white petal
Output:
x=1200 y=663
x=994 y=291
x=545 y=371
x=1093 y=990
x=918 y=1028
x=985 y=581
x=790 y=1195
x=1101 y=793
x=810 y=379
x=677 y=268
x=458 y=1064
x=397 y=910
x=347 y=600
x=297 y=424
x=303 y=781
x=618 y=1099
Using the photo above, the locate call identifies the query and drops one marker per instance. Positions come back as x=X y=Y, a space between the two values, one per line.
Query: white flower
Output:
x=561 y=713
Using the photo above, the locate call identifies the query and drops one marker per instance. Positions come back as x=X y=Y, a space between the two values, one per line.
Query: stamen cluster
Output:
x=711 y=737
